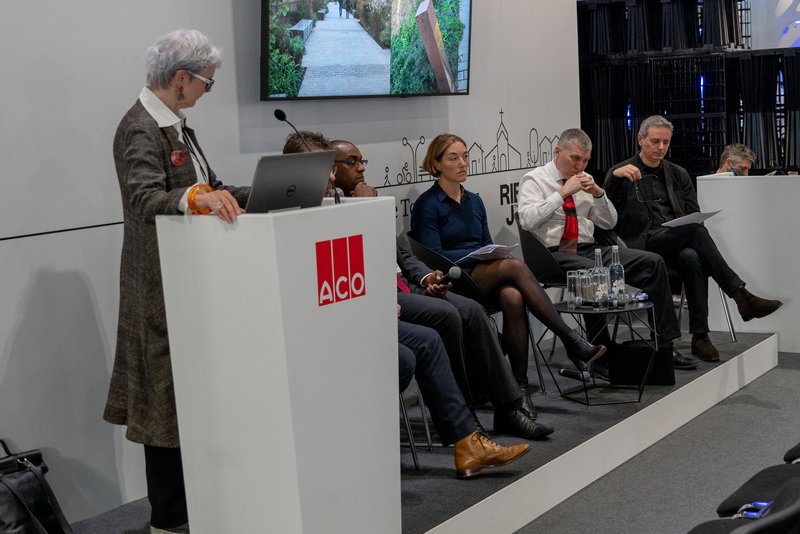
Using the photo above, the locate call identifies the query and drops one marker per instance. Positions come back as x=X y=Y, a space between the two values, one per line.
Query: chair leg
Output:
x=424 y=410
x=409 y=432
x=680 y=306
x=536 y=354
x=727 y=313
x=553 y=346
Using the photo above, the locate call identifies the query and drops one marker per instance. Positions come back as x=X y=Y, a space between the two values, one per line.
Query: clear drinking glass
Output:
x=584 y=287
x=573 y=289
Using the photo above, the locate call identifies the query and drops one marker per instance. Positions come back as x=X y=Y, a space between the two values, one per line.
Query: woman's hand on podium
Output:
x=221 y=203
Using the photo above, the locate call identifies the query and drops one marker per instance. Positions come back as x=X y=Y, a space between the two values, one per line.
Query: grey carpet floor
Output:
x=671 y=486
x=678 y=482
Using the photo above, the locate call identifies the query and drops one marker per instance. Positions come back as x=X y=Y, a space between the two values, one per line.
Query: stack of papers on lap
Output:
x=489 y=252
x=693 y=218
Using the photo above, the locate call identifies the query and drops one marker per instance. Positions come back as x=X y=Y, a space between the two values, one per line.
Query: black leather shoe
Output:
x=527 y=403
x=679 y=361
x=519 y=423
x=581 y=352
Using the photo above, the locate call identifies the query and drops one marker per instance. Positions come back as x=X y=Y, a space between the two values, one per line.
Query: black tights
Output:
x=516 y=288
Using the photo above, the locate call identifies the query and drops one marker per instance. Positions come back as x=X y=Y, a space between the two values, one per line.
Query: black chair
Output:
x=676 y=285
x=782 y=516
x=409 y=397
x=466 y=287
x=540 y=260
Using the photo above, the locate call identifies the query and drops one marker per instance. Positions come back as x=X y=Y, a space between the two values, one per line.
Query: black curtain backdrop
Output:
x=640 y=58
x=758 y=80
x=791 y=80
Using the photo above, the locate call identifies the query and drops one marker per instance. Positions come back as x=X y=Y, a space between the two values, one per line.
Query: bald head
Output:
x=349 y=165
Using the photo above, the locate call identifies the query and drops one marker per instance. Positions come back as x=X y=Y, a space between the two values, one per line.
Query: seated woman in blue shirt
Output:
x=452 y=221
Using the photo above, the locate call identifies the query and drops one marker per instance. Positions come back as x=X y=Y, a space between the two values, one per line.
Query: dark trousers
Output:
x=643 y=270
x=470 y=339
x=422 y=355
x=692 y=252
x=165 y=489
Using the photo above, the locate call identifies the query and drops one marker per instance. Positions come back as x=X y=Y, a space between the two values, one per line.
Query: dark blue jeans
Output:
x=422 y=355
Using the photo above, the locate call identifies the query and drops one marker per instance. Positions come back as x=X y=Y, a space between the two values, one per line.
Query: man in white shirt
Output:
x=545 y=202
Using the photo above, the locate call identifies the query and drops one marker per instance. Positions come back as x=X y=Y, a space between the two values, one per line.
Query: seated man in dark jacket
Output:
x=648 y=191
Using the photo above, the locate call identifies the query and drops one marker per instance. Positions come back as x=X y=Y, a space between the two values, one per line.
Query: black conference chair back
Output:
x=540 y=260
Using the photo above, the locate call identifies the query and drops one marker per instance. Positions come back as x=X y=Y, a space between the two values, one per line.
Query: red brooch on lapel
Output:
x=178 y=158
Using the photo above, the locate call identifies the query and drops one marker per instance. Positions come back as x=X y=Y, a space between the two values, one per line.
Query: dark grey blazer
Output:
x=141 y=393
x=633 y=217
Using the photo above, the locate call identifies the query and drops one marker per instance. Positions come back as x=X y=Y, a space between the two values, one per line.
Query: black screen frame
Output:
x=264 y=53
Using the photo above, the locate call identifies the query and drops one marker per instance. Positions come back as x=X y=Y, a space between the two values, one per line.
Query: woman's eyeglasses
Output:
x=639 y=196
x=208 y=81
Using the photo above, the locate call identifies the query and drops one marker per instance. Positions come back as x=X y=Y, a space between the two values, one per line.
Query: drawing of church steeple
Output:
x=503 y=156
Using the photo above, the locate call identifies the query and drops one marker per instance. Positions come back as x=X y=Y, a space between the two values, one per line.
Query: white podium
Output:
x=755 y=233
x=287 y=401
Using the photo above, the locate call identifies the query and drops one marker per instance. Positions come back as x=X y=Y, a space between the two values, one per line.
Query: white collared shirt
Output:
x=165 y=118
x=540 y=207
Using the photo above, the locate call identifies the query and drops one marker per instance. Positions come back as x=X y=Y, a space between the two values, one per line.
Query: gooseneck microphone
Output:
x=281 y=116
x=453 y=274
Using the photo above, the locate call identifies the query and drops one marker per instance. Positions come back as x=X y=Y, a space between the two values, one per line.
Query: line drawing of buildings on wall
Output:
x=503 y=156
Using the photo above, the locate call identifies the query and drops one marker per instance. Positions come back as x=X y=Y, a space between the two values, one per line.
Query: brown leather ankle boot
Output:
x=753 y=307
x=476 y=452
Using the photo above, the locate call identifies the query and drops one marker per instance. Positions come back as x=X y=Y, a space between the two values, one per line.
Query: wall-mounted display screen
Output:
x=357 y=48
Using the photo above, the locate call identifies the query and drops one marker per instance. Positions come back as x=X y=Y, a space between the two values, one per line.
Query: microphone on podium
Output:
x=281 y=116
x=454 y=273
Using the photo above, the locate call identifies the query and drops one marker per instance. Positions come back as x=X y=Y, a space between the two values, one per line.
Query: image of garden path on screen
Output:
x=350 y=48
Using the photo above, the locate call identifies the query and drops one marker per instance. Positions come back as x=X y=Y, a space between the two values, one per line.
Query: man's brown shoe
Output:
x=476 y=452
x=703 y=349
x=753 y=307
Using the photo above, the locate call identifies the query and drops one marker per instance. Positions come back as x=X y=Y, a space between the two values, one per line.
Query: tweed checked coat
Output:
x=152 y=180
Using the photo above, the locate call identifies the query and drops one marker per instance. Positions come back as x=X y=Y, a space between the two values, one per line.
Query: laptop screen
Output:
x=290 y=181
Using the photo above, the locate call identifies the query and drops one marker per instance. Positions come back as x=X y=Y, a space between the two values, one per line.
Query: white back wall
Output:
x=70 y=71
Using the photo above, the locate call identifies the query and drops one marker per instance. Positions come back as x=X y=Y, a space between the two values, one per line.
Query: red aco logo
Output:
x=340 y=269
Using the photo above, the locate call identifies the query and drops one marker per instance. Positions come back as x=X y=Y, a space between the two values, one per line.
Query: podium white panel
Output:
x=756 y=234
x=287 y=410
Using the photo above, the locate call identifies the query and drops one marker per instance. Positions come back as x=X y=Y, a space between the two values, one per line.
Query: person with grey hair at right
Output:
x=648 y=191
x=738 y=159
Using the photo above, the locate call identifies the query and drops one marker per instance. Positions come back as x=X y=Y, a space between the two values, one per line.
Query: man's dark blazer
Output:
x=633 y=217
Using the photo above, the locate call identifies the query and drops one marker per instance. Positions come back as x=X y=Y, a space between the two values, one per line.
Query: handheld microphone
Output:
x=575 y=375
x=281 y=116
x=453 y=274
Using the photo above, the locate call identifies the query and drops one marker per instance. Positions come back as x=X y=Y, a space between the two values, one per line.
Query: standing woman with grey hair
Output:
x=161 y=170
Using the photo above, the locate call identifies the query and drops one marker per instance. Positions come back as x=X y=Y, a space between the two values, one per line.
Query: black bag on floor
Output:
x=27 y=504
x=627 y=363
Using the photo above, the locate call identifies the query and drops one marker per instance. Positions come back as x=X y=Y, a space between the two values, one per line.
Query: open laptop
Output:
x=289 y=181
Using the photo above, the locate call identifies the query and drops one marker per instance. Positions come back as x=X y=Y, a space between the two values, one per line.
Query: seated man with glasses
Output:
x=738 y=159
x=469 y=336
x=647 y=191
x=350 y=167
x=559 y=198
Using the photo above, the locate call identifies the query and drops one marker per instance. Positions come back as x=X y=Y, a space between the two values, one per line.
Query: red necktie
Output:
x=569 y=239
x=402 y=286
